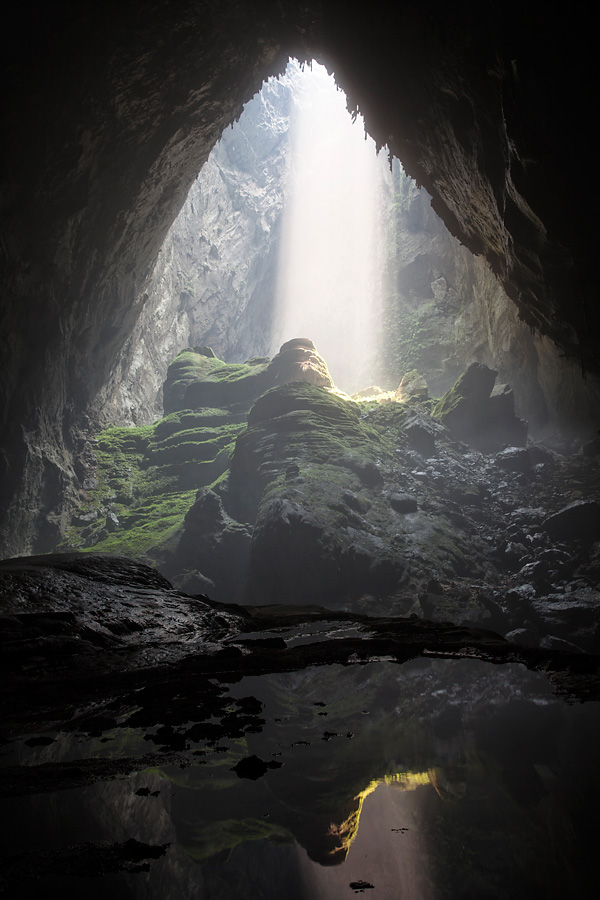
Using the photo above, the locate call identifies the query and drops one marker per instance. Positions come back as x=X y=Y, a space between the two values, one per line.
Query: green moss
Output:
x=148 y=477
x=149 y=525
x=236 y=372
x=195 y=418
x=448 y=402
x=189 y=366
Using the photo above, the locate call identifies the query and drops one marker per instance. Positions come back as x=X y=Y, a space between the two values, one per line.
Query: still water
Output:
x=434 y=779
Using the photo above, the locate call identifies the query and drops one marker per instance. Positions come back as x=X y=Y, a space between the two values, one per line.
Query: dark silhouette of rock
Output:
x=403 y=503
x=514 y=459
x=577 y=521
x=483 y=419
x=253 y=767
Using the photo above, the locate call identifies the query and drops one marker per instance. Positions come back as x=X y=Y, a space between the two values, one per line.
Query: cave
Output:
x=261 y=635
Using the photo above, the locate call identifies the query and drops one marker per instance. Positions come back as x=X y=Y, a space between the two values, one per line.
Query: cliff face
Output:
x=445 y=309
x=214 y=279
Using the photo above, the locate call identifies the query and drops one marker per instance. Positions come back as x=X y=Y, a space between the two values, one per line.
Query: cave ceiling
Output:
x=110 y=111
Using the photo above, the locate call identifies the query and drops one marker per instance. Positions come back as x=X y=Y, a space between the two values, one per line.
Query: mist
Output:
x=329 y=282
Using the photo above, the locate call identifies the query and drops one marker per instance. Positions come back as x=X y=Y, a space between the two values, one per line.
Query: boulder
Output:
x=421 y=431
x=215 y=544
x=403 y=503
x=412 y=387
x=298 y=360
x=591 y=448
x=112 y=522
x=574 y=617
x=577 y=521
x=483 y=418
x=514 y=459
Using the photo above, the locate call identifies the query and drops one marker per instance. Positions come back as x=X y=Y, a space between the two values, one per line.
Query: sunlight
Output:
x=329 y=273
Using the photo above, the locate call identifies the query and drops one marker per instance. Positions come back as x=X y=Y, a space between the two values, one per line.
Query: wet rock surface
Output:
x=175 y=729
x=82 y=621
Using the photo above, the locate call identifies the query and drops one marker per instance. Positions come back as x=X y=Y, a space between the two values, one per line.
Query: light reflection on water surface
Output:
x=432 y=780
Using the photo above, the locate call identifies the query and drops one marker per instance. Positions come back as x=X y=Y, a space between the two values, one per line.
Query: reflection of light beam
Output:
x=347 y=830
x=328 y=272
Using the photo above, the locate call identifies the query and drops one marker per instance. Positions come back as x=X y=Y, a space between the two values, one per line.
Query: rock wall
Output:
x=446 y=309
x=214 y=279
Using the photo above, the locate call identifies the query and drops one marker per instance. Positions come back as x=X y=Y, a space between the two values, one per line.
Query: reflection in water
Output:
x=435 y=779
x=388 y=849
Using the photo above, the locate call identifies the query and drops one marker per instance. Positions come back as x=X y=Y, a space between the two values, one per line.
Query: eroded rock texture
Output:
x=215 y=277
x=445 y=309
x=170 y=744
x=263 y=484
x=110 y=112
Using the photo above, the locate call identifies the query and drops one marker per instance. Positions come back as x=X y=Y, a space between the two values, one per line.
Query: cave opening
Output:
x=297 y=233
x=297 y=226
x=285 y=233
x=357 y=680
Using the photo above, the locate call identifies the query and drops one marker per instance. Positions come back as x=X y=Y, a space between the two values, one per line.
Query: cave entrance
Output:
x=297 y=227
x=262 y=253
x=284 y=234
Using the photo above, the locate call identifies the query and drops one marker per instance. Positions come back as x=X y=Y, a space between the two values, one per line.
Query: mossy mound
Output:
x=197 y=378
x=145 y=479
x=188 y=366
x=300 y=495
x=473 y=387
x=317 y=475
x=228 y=385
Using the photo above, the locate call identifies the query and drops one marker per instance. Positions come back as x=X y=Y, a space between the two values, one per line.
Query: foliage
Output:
x=146 y=479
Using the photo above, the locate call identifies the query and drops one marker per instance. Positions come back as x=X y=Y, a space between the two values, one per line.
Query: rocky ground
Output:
x=263 y=484
x=366 y=589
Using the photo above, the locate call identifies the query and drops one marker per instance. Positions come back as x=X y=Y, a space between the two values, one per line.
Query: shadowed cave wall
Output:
x=109 y=114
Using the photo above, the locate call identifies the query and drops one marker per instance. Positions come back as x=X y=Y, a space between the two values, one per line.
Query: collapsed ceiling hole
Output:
x=296 y=226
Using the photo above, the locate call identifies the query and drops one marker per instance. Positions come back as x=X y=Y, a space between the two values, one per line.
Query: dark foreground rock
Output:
x=196 y=728
x=82 y=623
x=579 y=520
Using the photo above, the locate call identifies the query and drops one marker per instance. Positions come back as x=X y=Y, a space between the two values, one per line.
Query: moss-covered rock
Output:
x=301 y=495
x=192 y=364
x=146 y=480
x=196 y=378
x=318 y=478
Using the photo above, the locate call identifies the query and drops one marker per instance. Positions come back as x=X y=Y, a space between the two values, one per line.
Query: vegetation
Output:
x=145 y=479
